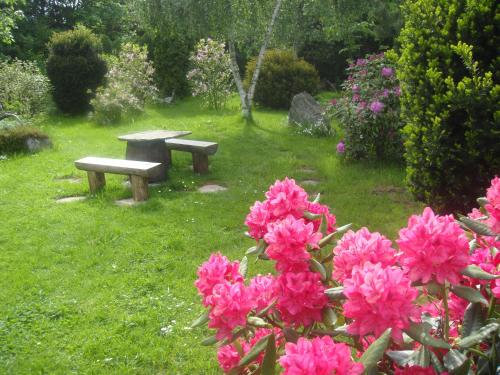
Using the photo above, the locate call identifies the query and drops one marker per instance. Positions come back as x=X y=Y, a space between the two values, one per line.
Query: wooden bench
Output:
x=139 y=172
x=199 y=149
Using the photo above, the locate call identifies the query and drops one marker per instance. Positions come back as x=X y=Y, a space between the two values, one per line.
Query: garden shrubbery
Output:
x=129 y=84
x=450 y=102
x=369 y=110
x=282 y=76
x=23 y=88
x=75 y=68
x=13 y=139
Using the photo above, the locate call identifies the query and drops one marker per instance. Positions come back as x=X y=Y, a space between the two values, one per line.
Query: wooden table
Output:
x=150 y=146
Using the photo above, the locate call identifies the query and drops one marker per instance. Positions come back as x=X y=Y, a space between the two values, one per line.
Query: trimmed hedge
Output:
x=448 y=70
x=75 y=68
x=282 y=76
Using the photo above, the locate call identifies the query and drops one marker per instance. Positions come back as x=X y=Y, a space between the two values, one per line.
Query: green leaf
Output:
x=201 y=320
x=310 y=216
x=316 y=200
x=436 y=363
x=326 y=240
x=323 y=227
x=423 y=357
x=402 y=357
x=477 y=226
x=335 y=293
x=474 y=319
x=266 y=309
x=329 y=317
x=243 y=268
x=291 y=335
x=343 y=228
x=469 y=294
x=255 y=351
x=269 y=362
x=318 y=267
x=375 y=351
x=209 y=341
x=482 y=201
x=258 y=249
x=257 y=322
x=420 y=333
x=453 y=360
x=478 y=273
x=479 y=336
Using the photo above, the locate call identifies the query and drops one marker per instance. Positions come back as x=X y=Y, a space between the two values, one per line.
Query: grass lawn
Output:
x=90 y=287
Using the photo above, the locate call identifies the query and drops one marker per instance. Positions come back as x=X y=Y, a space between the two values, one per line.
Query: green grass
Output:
x=90 y=287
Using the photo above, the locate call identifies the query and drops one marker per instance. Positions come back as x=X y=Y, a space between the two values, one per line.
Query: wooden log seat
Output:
x=139 y=172
x=200 y=151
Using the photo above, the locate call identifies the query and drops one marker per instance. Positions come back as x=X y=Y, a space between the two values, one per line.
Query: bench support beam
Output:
x=139 y=188
x=97 y=181
x=200 y=163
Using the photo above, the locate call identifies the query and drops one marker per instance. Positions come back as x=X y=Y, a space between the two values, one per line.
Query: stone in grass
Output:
x=34 y=145
x=71 y=199
x=212 y=188
x=310 y=182
x=307 y=170
x=129 y=202
x=307 y=113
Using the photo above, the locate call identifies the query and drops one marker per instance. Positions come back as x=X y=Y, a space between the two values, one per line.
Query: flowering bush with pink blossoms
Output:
x=369 y=110
x=357 y=303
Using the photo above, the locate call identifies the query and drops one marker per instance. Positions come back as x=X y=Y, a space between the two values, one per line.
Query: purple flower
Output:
x=356 y=97
x=361 y=62
x=355 y=89
x=340 y=147
x=387 y=72
x=397 y=91
x=385 y=93
x=376 y=106
x=333 y=102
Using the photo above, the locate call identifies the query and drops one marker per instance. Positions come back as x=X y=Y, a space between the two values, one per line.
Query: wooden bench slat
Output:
x=118 y=166
x=207 y=148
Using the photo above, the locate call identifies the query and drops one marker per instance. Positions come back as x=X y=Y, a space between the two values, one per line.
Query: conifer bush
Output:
x=75 y=68
x=448 y=69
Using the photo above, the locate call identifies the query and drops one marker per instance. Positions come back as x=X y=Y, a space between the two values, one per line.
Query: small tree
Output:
x=211 y=74
x=75 y=68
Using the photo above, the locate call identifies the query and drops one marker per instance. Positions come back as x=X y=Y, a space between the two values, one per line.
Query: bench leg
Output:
x=200 y=163
x=139 y=188
x=96 y=181
x=168 y=158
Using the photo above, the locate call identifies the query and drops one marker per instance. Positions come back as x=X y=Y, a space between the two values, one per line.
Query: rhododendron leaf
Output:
x=474 y=318
x=258 y=249
x=310 y=216
x=375 y=352
x=420 y=332
x=470 y=294
x=269 y=362
x=476 y=226
x=329 y=316
x=318 y=267
x=454 y=359
x=326 y=240
x=318 y=197
x=343 y=228
x=436 y=363
x=257 y=322
x=402 y=357
x=479 y=336
x=201 y=320
x=482 y=201
x=255 y=351
x=473 y=245
x=265 y=310
x=335 y=293
x=478 y=273
x=323 y=227
x=209 y=341
x=423 y=357
x=243 y=268
x=291 y=335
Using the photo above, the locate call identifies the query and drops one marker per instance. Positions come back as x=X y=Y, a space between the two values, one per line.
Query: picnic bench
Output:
x=199 y=150
x=139 y=172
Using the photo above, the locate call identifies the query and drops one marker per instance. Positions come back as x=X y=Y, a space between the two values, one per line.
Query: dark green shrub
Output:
x=282 y=76
x=14 y=139
x=75 y=68
x=449 y=68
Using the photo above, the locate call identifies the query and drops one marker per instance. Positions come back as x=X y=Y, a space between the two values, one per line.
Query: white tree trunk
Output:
x=245 y=105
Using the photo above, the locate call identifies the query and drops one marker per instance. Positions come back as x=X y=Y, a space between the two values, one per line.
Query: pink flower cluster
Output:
x=493 y=206
x=433 y=248
x=319 y=356
x=379 y=298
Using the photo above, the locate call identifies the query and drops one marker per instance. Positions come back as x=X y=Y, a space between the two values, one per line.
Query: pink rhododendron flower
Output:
x=228 y=357
x=286 y=197
x=376 y=106
x=320 y=209
x=356 y=97
x=229 y=306
x=301 y=297
x=355 y=89
x=340 y=147
x=218 y=269
x=257 y=220
x=397 y=91
x=493 y=206
x=387 y=72
x=457 y=307
x=356 y=248
x=288 y=241
x=379 y=298
x=262 y=290
x=416 y=370
x=433 y=247
x=319 y=356
x=496 y=288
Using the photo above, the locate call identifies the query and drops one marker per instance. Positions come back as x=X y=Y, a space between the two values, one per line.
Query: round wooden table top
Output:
x=153 y=135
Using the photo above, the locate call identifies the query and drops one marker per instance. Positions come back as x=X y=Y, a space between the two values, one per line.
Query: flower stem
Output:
x=446 y=313
x=491 y=309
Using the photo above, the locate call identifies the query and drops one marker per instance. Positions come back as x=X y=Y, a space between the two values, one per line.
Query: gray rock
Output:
x=36 y=144
x=70 y=199
x=212 y=188
x=130 y=202
x=307 y=113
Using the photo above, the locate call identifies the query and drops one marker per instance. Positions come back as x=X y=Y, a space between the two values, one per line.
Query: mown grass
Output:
x=90 y=287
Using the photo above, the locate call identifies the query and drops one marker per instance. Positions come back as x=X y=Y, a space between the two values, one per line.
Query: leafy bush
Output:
x=129 y=84
x=439 y=289
x=75 y=68
x=23 y=88
x=282 y=76
x=13 y=139
x=450 y=103
x=369 y=111
x=211 y=76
